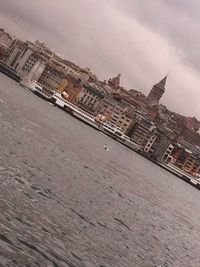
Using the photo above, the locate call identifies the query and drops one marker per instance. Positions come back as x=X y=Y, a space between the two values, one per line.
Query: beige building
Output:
x=117 y=111
x=90 y=98
x=124 y=121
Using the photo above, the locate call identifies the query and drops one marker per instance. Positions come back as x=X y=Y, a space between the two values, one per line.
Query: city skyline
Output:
x=120 y=38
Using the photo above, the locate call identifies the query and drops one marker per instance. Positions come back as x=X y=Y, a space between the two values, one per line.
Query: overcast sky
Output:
x=141 y=39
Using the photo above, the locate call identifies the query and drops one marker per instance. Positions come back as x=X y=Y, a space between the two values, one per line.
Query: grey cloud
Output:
x=141 y=39
x=178 y=21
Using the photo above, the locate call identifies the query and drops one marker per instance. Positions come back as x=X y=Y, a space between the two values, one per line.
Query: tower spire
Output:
x=162 y=82
x=157 y=91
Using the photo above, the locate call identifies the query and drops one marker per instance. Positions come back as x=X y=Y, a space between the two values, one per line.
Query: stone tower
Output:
x=156 y=92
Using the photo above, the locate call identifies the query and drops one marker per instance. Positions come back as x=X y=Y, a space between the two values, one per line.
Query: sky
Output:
x=141 y=39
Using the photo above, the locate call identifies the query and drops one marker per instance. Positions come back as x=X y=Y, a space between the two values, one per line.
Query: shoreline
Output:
x=178 y=173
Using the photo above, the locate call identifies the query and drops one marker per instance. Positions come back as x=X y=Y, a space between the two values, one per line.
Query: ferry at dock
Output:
x=30 y=85
x=74 y=110
x=37 y=89
x=181 y=174
x=117 y=134
x=44 y=93
x=110 y=128
x=105 y=127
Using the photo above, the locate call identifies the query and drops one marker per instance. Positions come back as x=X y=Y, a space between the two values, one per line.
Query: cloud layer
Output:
x=143 y=40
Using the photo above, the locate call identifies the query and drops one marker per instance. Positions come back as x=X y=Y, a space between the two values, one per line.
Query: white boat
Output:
x=117 y=134
x=86 y=117
x=73 y=109
x=61 y=102
x=108 y=127
x=127 y=142
x=43 y=93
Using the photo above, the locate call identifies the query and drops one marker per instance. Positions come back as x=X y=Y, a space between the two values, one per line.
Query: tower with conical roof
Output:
x=156 y=92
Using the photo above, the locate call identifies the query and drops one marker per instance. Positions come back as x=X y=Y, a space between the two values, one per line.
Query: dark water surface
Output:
x=66 y=201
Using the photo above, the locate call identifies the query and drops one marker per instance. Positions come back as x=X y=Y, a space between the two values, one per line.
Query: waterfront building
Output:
x=52 y=78
x=90 y=97
x=15 y=53
x=70 y=88
x=118 y=112
x=190 y=136
x=53 y=58
x=149 y=144
x=25 y=61
x=122 y=120
x=156 y=92
x=30 y=65
x=162 y=147
x=187 y=157
x=6 y=41
x=168 y=155
x=142 y=132
x=125 y=122
x=191 y=164
x=111 y=106
x=45 y=51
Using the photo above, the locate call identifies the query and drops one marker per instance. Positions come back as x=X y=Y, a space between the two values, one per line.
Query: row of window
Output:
x=91 y=95
x=120 y=123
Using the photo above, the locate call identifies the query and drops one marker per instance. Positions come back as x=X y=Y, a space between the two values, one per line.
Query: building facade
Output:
x=89 y=98
x=18 y=48
x=117 y=111
x=187 y=157
x=162 y=146
x=52 y=78
x=25 y=61
x=70 y=88
x=6 y=41
x=142 y=132
x=32 y=68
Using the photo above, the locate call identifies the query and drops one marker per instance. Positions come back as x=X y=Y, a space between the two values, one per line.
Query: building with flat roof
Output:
x=6 y=41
